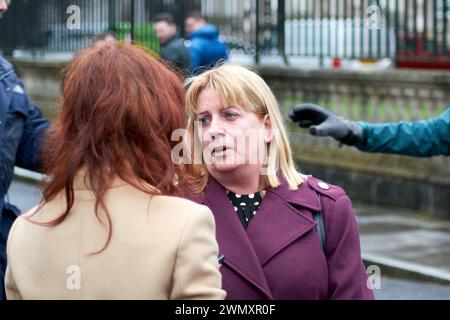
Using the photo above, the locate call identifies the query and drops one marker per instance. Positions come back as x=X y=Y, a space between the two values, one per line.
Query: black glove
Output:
x=322 y=122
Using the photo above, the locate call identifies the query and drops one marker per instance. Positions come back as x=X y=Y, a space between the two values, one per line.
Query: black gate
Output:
x=70 y=25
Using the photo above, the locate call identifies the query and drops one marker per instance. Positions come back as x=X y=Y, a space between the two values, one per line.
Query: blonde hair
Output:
x=238 y=85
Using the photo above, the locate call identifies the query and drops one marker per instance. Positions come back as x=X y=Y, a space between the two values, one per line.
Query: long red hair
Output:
x=119 y=109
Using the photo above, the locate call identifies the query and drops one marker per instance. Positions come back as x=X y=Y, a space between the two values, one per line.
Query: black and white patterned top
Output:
x=245 y=205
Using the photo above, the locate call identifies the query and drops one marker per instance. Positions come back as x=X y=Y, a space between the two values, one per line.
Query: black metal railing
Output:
x=410 y=32
x=70 y=25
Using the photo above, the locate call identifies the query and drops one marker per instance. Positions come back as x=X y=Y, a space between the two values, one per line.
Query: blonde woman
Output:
x=281 y=234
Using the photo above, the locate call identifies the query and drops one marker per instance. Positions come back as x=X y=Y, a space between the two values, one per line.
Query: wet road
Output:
x=398 y=289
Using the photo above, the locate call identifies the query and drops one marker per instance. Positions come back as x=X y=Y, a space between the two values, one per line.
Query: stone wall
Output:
x=393 y=181
x=384 y=96
x=43 y=82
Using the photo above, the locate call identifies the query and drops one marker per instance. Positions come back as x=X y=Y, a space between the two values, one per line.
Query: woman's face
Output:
x=231 y=137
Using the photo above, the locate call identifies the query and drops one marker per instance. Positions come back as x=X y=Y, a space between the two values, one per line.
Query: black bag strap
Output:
x=320 y=228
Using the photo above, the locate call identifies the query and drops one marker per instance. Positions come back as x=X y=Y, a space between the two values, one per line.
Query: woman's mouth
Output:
x=219 y=150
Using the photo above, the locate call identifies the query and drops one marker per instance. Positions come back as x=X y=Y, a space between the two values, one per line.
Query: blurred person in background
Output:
x=205 y=47
x=21 y=130
x=173 y=47
x=104 y=38
x=425 y=138
x=111 y=224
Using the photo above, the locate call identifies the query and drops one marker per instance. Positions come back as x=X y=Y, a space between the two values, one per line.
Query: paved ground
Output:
x=400 y=289
x=410 y=250
x=404 y=241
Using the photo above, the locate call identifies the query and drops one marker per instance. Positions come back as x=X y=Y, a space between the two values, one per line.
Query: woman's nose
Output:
x=215 y=129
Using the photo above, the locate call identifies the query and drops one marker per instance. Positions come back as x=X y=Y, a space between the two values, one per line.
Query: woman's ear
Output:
x=268 y=136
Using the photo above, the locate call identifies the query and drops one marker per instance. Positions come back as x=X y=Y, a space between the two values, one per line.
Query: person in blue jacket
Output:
x=21 y=130
x=424 y=138
x=205 y=47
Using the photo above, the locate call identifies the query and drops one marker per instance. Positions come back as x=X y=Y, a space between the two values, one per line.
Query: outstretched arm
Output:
x=424 y=138
x=418 y=138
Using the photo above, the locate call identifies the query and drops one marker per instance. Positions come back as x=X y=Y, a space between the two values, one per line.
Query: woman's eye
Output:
x=203 y=121
x=231 y=115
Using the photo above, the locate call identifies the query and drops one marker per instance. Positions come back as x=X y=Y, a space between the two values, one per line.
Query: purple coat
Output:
x=280 y=255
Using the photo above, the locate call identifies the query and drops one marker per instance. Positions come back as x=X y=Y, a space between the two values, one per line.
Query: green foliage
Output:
x=144 y=35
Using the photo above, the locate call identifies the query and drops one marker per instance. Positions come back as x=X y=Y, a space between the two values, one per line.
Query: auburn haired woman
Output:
x=110 y=225
x=282 y=234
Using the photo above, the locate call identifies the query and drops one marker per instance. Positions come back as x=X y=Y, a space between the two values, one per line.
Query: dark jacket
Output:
x=424 y=138
x=177 y=54
x=280 y=255
x=206 y=48
x=21 y=128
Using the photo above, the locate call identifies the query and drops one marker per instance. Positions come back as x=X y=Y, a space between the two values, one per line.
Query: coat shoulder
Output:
x=326 y=189
x=181 y=207
x=335 y=204
x=18 y=232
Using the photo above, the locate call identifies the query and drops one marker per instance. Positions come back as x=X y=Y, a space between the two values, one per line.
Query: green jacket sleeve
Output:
x=424 y=138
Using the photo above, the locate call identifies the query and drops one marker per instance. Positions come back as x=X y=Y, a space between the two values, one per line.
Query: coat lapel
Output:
x=284 y=217
x=233 y=241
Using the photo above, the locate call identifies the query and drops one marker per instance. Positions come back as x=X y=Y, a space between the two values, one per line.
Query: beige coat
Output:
x=161 y=248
